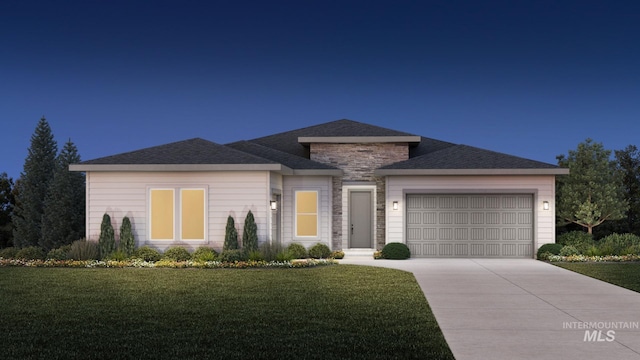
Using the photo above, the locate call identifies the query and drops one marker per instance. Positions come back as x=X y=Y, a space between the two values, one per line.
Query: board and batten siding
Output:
x=541 y=187
x=322 y=184
x=122 y=194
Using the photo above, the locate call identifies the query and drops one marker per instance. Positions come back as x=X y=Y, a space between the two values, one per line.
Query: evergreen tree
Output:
x=32 y=188
x=250 y=233
x=6 y=208
x=628 y=164
x=107 y=240
x=63 y=221
x=230 y=235
x=127 y=241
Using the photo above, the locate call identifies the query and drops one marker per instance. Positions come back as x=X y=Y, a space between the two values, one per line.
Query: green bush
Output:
x=569 y=250
x=147 y=253
x=396 y=251
x=270 y=251
x=579 y=239
x=84 y=250
x=8 y=253
x=250 y=233
x=592 y=251
x=617 y=244
x=338 y=254
x=255 y=255
x=632 y=250
x=127 y=240
x=544 y=255
x=284 y=256
x=233 y=255
x=107 y=240
x=31 y=253
x=177 y=253
x=230 y=235
x=204 y=254
x=61 y=253
x=554 y=249
x=117 y=255
x=297 y=251
x=319 y=251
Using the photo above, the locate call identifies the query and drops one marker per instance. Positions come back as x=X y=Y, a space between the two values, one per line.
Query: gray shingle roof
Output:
x=286 y=159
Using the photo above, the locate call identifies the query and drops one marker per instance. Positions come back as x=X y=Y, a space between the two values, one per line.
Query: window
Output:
x=306 y=213
x=186 y=213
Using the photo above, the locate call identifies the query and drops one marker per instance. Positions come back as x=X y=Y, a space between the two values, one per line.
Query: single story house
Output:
x=350 y=185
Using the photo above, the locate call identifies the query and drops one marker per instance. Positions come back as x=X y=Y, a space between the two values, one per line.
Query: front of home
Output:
x=350 y=185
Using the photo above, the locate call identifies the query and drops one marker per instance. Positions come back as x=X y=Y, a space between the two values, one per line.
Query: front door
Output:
x=360 y=219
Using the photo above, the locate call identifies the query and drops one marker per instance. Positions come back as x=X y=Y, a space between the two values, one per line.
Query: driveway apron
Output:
x=524 y=309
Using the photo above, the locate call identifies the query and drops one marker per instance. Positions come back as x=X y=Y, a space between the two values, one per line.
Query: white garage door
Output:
x=455 y=225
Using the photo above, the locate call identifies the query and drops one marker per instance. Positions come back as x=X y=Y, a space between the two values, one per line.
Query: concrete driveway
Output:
x=524 y=309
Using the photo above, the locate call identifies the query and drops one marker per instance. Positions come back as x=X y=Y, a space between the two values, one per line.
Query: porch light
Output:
x=395 y=205
x=273 y=204
x=545 y=205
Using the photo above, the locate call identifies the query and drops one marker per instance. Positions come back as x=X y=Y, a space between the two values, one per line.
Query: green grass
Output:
x=625 y=274
x=341 y=312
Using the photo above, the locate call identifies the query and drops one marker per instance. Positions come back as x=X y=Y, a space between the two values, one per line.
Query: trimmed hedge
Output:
x=147 y=253
x=396 y=251
x=553 y=249
x=297 y=251
x=177 y=253
x=319 y=251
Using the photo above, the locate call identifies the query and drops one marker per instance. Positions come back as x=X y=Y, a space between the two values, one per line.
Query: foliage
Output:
x=38 y=170
x=233 y=255
x=117 y=255
x=107 y=240
x=284 y=256
x=31 y=253
x=8 y=253
x=568 y=250
x=270 y=251
x=628 y=166
x=319 y=251
x=618 y=244
x=63 y=219
x=592 y=193
x=61 y=253
x=250 y=233
x=127 y=241
x=176 y=253
x=255 y=255
x=7 y=202
x=550 y=248
x=337 y=254
x=84 y=250
x=230 y=235
x=297 y=251
x=147 y=253
x=581 y=240
x=396 y=251
x=204 y=254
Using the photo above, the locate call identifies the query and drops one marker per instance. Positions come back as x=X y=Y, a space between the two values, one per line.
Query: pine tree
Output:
x=107 y=240
x=127 y=241
x=250 y=233
x=39 y=167
x=6 y=208
x=230 y=235
x=64 y=208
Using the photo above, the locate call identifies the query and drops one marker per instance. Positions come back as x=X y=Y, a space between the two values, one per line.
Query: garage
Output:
x=470 y=225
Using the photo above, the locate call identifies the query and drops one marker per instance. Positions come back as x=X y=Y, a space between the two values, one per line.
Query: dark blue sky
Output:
x=528 y=78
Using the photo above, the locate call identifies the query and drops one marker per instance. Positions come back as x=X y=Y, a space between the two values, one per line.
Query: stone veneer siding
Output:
x=358 y=162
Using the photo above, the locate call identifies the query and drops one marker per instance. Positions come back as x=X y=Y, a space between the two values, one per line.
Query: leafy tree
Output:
x=127 y=241
x=250 y=233
x=64 y=207
x=32 y=188
x=107 y=240
x=7 y=203
x=592 y=192
x=628 y=164
x=230 y=235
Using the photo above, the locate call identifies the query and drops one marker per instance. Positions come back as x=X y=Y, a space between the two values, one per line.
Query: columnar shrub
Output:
x=107 y=240
x=250 y=233
x=230 y=235
x=147 y=253
x=396 y=251
x=84 y=250
x=319 y=251
x=297 y=251
x=177 y=253
x=127 y=241
x=204 y=254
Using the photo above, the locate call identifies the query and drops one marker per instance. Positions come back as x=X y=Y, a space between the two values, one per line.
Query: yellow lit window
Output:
x=162 y=208
x=192 y=215
x=306 y=213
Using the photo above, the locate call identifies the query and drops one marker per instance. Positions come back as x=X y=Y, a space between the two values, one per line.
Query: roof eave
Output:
x=176 y=167
x=305 y=140
x=470 y=172
x=316 y=172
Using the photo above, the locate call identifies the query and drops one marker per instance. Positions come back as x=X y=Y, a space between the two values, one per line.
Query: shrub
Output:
x=204 y=254
x=568 y=250
x=147 y=253
x=396 y=251
x=270 y=251
x=255 y=255
x=338 y=254
x=579 y=239
x=232 y=255
x=297 y=251
x=61 y=253
x=617 y=244
x=177 y=253
x=8 y=253
x=319 y=251
x=117 y=255
x=230 y=235
x=545 y=255
x=127 y=241
x=107 y=240
x=250 y=233
x=554 y=249
x=84 y=250
x=284 y=256
x=592 y=251
x=631 y=250
x=31 y=253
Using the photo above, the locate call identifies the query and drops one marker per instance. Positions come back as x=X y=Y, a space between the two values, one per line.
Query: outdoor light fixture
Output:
x=395 y=205
x=545 y=205
x=274 y=205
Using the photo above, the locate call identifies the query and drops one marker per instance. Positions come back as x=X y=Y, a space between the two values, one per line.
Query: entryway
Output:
x=360 y=219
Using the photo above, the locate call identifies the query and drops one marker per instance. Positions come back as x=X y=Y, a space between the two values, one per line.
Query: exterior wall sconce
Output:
x=545 y=205
x=273 y=204
x=395 y=205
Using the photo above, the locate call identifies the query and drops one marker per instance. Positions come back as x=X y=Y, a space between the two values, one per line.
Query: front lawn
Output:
x=341 y=312
x=625 y=274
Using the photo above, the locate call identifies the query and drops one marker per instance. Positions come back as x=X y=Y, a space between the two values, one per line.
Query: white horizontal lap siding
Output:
x=541 y=186
x=323 y=185
x=125 y=193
